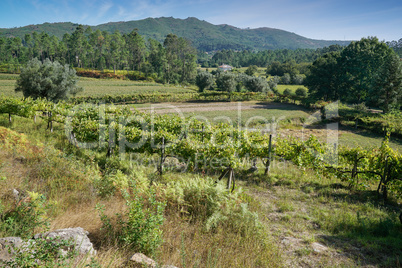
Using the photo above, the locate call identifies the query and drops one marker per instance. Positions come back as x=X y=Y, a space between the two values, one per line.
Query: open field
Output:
x=345 y=136
x=7 y=85
x=96 y=87
x=247 y=114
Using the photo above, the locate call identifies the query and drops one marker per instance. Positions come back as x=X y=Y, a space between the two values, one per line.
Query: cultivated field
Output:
x=96 y=88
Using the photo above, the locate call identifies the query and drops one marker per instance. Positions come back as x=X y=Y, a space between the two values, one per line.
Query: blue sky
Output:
x=318 y=19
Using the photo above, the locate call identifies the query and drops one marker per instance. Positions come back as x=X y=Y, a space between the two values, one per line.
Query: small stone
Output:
x=290 y=240
x=318 y=248
x=141 y=261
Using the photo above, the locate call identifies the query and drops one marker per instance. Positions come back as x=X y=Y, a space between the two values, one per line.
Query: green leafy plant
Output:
x=28 y=216
x=139 y=226
x=201 y=199
x=108 y=184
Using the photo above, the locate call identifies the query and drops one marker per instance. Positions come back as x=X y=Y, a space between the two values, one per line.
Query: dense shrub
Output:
x=201 y=199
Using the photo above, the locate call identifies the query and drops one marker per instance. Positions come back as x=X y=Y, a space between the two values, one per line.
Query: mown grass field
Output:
x=96 y=87
x=366 y=139
x=7 y=85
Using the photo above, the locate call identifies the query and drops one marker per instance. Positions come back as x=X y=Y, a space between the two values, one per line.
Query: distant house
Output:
x=225 y=67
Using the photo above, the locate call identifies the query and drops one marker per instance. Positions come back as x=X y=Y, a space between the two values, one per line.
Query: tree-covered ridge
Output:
x=203 y=35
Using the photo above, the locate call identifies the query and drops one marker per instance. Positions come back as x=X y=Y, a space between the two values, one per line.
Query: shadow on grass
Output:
x=369 y=243
x=368 y=134
x=281 y=106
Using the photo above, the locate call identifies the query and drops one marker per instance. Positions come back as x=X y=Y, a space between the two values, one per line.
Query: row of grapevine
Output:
x=200 y=145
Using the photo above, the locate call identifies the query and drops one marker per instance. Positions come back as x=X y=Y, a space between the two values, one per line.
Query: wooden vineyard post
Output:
x=231 y=178
x=268 y=163
x=49 y=121
x=110 y=144
x=162 y=156
x=73 y=140
x=383 y=181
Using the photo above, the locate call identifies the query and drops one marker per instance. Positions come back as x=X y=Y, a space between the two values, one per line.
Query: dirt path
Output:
x=165 y=108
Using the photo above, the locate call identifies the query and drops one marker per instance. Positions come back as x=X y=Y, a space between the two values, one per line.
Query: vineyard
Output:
x=199 y=146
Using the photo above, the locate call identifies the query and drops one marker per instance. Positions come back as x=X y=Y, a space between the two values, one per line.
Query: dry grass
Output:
x=189 y=245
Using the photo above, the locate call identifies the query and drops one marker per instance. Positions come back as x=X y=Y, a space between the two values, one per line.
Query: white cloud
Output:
x=104 y=8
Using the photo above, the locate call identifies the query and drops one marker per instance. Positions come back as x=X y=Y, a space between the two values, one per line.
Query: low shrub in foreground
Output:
x=139 y=226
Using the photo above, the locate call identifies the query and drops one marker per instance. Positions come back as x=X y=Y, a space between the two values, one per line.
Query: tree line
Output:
x=174 y=61
x=265 y=57
x=245 y=58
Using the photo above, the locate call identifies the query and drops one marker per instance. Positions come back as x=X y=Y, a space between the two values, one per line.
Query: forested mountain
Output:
x=203 y=35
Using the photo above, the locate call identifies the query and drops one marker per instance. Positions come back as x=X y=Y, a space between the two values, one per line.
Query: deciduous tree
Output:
x=49 y=80
x=204 y=80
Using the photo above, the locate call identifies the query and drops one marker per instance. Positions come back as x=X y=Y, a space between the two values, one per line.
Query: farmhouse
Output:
x=225 y=67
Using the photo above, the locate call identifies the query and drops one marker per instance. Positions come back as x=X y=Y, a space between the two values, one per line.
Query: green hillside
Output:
x=204 y=35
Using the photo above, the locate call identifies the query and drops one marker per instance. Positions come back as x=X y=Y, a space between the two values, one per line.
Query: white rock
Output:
x=82 y=243
x=141 y=260
x=317 y=247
